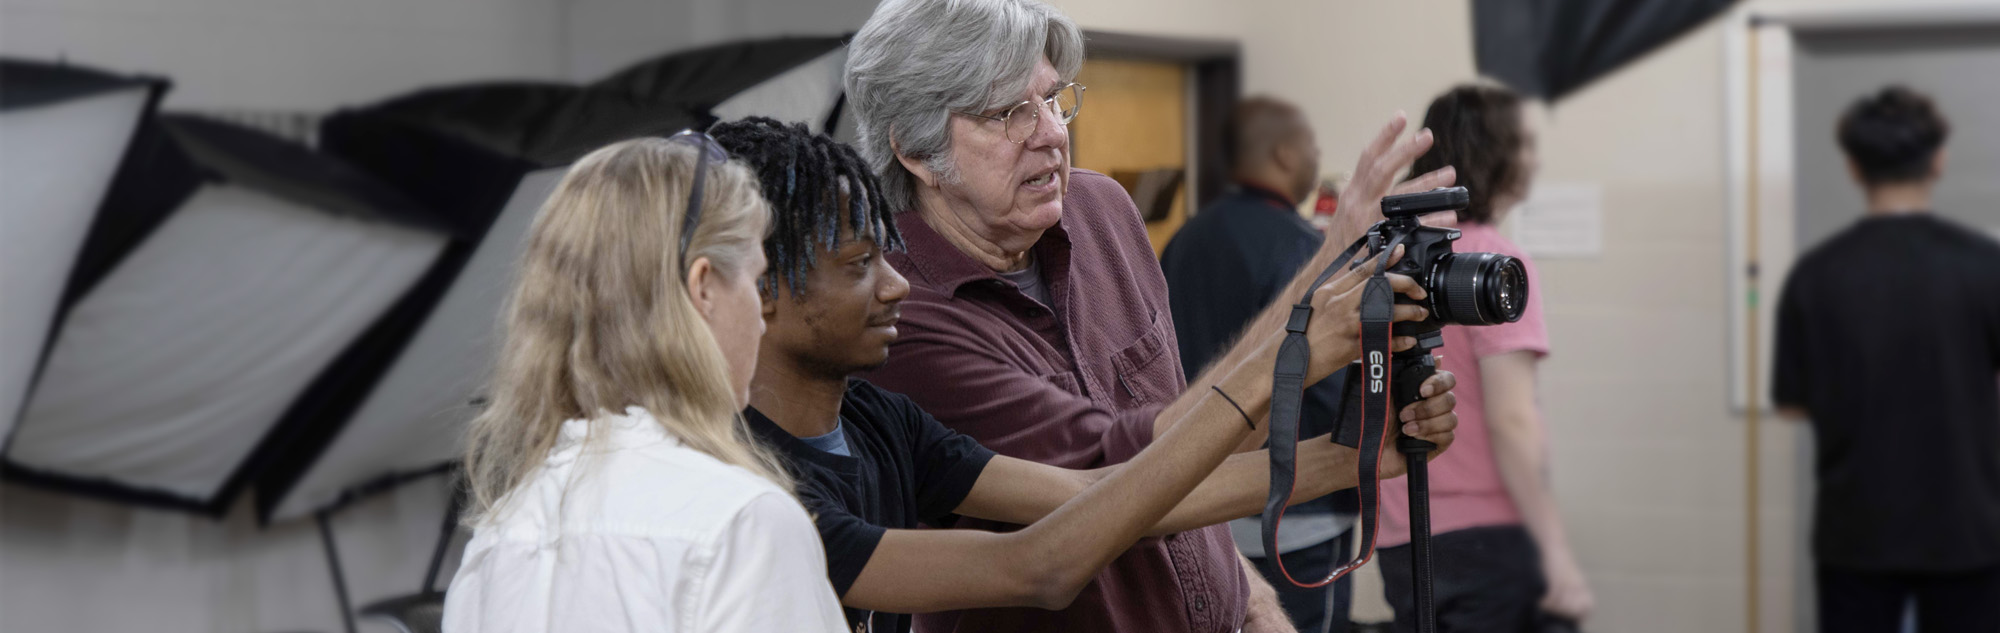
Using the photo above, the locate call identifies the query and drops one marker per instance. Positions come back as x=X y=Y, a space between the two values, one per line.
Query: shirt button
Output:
x=1200 y=603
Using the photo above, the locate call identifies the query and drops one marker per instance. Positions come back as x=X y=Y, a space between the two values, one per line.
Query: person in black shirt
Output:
x=1222 y=268
x=871 y=465
x=1889 y=341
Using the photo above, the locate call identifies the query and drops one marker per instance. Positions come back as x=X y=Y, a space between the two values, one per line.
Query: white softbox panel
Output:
x=171 y=370
x=414 y=418
x=56 y=160
x=804 y=94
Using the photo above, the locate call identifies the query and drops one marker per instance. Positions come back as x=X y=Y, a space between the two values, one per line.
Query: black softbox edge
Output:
x=294 y=172
x=26 y=83
x=542 y=123
x=108 y=490
x=693 y=76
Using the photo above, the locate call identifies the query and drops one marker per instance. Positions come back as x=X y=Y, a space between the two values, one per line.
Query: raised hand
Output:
x=1374 y=177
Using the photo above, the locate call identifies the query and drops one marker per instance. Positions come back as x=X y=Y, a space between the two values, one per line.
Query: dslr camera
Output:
x=1462 y=289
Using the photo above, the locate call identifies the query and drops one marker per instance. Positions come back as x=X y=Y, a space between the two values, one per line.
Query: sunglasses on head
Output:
x=706 y=149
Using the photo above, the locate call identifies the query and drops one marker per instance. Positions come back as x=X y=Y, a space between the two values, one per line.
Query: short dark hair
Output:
x=1892 y=135
x=1478 y=132
x=1257 y=124
x=804 y=176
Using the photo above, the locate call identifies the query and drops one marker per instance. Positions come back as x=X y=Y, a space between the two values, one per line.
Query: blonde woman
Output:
x=614 y=484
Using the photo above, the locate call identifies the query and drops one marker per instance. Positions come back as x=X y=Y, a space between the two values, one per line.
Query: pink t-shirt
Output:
x=1466 y=489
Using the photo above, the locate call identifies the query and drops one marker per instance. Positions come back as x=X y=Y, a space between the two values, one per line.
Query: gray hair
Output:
x=916 y=61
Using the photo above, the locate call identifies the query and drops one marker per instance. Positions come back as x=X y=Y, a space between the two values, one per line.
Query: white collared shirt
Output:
x=634 y=532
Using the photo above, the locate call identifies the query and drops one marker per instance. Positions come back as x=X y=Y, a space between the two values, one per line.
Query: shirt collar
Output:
x=766 y=428
x=948 y=269
x=634 y=428
x=794 y=448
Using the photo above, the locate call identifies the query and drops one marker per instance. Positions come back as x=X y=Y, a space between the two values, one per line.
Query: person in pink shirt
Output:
x=1503 y=560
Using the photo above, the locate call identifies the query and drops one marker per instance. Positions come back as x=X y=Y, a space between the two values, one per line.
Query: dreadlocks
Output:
x=806 y=178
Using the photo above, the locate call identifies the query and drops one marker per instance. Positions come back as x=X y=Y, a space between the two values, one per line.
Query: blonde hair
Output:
x=600 y=318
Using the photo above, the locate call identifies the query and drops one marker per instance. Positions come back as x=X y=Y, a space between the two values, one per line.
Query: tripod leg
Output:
x=1421 y=571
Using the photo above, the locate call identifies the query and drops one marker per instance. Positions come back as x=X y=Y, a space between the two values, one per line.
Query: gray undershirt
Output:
x=1029 y=280
x=835 y=442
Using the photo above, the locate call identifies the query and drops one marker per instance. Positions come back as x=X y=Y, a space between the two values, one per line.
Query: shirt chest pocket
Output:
x=1148 y=370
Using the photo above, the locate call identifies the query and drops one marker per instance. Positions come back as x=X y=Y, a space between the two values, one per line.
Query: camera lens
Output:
x=1478 y=288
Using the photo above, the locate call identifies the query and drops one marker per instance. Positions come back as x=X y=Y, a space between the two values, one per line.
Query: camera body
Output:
x=1461 y=289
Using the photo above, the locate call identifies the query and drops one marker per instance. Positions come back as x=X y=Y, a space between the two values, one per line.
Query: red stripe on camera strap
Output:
x=1378 y=302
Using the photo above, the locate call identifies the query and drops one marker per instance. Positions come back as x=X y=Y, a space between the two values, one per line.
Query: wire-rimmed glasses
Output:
x=1025 y=117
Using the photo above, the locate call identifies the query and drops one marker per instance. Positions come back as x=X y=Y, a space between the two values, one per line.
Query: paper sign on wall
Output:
x=1561 y=220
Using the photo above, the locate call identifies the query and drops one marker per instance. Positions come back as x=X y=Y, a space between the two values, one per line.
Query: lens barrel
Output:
x=1478 y=288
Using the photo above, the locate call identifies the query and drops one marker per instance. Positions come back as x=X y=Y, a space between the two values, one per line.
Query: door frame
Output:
x=1215 y=70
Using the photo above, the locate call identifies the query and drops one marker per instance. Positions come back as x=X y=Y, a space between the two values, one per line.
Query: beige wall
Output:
x=1649 y=460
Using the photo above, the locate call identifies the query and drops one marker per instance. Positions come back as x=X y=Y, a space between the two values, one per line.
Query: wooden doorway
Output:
x=1134 y=128
x=1153 y=119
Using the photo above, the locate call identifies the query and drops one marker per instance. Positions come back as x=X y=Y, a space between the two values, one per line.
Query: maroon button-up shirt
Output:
x=1076 y=387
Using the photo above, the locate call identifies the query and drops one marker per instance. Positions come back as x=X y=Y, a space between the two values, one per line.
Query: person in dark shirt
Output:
x=1222 y=268
x=871 y=465
x=1889 y=342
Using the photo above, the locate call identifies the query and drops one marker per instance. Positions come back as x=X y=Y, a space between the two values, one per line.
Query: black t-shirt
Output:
x=1889 y=336
x=905 y=469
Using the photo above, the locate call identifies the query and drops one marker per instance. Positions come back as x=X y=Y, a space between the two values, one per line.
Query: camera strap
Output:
x=1378 y=303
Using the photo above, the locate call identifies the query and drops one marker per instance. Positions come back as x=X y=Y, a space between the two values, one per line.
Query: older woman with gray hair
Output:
x=1037 y=319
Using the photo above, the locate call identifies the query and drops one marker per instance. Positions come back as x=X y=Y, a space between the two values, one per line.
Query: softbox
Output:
x=226 y=271
x=1551 y=48
x=63 y=132
x=487 y=156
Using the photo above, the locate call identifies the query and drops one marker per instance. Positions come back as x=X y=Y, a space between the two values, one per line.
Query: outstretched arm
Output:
x=1048 y=562
x=1017 y=491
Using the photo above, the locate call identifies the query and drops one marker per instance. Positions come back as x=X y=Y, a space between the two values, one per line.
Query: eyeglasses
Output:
x=706 y=149
x=1064 y=103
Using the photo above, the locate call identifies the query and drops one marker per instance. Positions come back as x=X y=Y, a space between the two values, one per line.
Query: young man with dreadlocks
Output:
x=871 y=465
